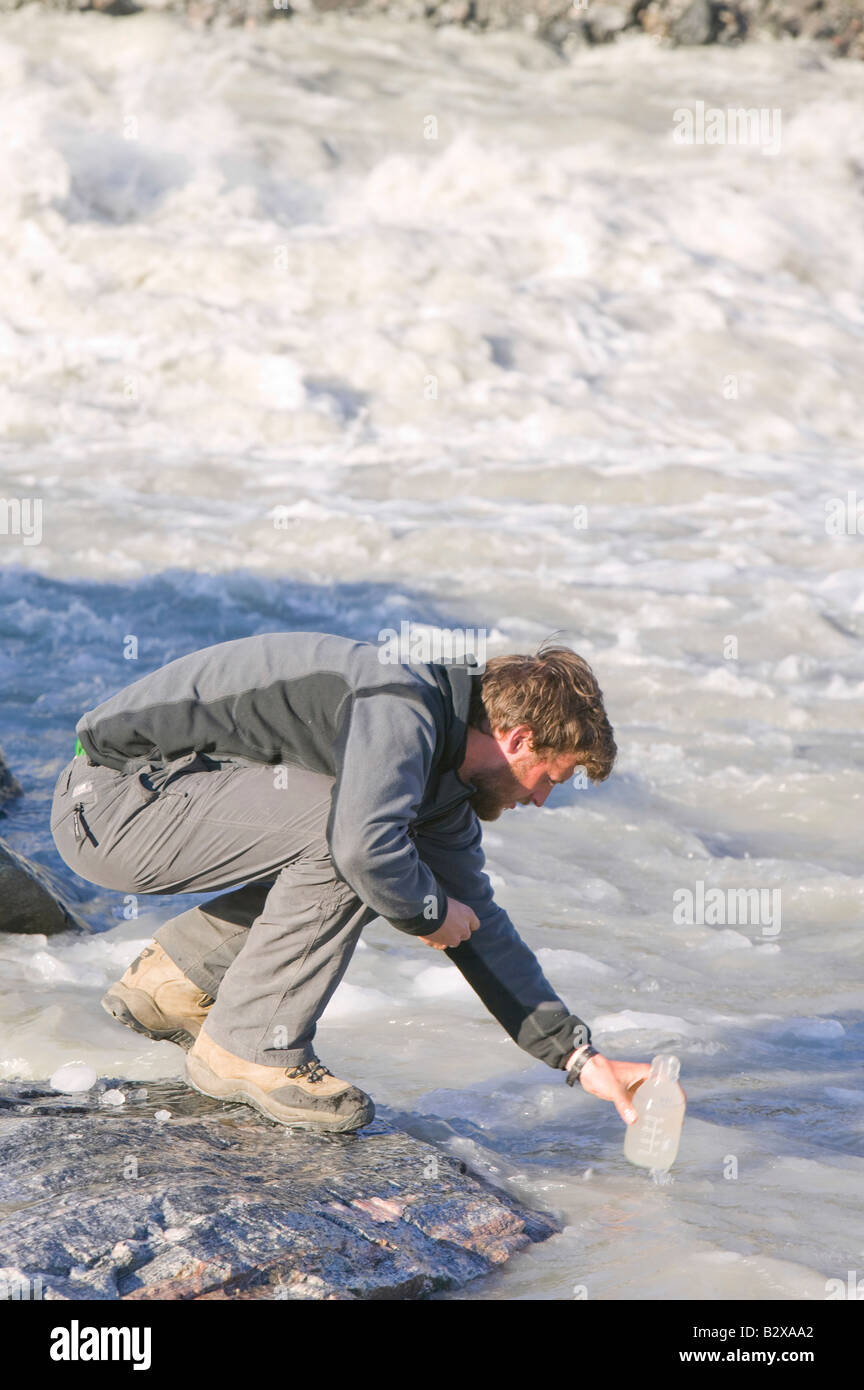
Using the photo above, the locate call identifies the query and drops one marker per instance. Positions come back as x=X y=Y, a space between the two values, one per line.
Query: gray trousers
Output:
x=272 y=949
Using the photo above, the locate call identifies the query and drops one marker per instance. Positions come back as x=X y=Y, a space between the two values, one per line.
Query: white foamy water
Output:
x=271 y=358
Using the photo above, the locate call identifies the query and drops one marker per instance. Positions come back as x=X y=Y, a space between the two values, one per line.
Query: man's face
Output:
x=521 y=779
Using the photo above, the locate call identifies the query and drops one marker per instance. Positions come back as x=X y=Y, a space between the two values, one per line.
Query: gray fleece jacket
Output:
x=401 y=829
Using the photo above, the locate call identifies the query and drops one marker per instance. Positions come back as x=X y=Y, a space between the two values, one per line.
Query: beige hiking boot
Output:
x=155 y=998
x=307 y=1096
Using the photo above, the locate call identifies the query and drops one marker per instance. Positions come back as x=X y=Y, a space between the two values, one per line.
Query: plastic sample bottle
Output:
x=652 y=1140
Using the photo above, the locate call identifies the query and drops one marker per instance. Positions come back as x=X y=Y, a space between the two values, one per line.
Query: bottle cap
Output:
x=666 y=1067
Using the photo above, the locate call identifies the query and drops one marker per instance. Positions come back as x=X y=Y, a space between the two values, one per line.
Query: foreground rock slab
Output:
x=173 y=1196
x=28 y=903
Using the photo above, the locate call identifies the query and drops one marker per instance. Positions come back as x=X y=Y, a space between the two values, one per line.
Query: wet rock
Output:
x=212 y=1201
x=28 y=901
x=9 y=785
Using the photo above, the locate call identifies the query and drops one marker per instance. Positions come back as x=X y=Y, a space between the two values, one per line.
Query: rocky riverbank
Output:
x=838 y=25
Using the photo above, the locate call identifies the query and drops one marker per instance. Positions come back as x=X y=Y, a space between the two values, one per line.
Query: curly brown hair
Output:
x=554 y=693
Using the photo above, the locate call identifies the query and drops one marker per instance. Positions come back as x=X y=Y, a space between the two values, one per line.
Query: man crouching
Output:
x=314 y=788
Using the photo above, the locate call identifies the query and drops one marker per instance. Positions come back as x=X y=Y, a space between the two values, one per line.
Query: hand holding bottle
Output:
x=652 y=1142
x=609 y=1080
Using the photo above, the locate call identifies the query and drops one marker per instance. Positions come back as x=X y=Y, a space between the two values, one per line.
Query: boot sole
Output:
x=207 y=1083
x=117 y=1006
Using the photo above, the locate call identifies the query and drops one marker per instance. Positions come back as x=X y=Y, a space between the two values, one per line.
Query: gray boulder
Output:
x=28 y=901
x=696 y=24
x=174 y=1196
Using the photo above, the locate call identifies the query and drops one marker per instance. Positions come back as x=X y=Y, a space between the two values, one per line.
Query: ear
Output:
x=518 y=740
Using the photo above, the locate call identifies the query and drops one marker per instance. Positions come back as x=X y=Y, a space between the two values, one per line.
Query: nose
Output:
x=538 y=797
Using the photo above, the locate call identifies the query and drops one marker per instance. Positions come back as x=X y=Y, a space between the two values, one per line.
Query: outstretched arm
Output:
x=506 y=975
x=495 y=961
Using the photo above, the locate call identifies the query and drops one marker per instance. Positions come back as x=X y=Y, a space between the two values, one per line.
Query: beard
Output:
x=495 y=790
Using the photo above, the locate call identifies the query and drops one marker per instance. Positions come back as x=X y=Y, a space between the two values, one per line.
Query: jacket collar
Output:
x=455 y=683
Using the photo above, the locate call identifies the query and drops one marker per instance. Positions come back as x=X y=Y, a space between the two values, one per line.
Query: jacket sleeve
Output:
x=496 y=962
x=384 y=751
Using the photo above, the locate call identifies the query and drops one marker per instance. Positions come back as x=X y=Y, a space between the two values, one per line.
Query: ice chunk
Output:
x=73 y=1077
x=815 y=1029
x=628 y=1020
x=726 y=940
x=437 y=981
x=844 y=1096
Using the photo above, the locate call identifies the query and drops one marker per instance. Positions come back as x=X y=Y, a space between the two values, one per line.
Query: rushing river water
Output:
x=334 y=324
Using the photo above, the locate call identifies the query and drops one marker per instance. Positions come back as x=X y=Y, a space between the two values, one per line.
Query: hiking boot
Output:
x=155 y=998
x=307 y=1096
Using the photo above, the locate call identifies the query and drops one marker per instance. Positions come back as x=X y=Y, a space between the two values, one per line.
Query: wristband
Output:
x=583 y=1055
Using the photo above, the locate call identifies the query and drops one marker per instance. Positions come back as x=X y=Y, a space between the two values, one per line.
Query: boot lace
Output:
x=313 y=1070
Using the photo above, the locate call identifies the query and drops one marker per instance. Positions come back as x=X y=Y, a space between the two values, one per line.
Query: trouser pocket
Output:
x=84 y=796
x=75 y=788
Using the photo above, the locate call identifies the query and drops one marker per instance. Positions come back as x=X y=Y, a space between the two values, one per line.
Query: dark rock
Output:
x=9 y=785
x=102 y=1201
x=28 y=901
x=731 y=23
